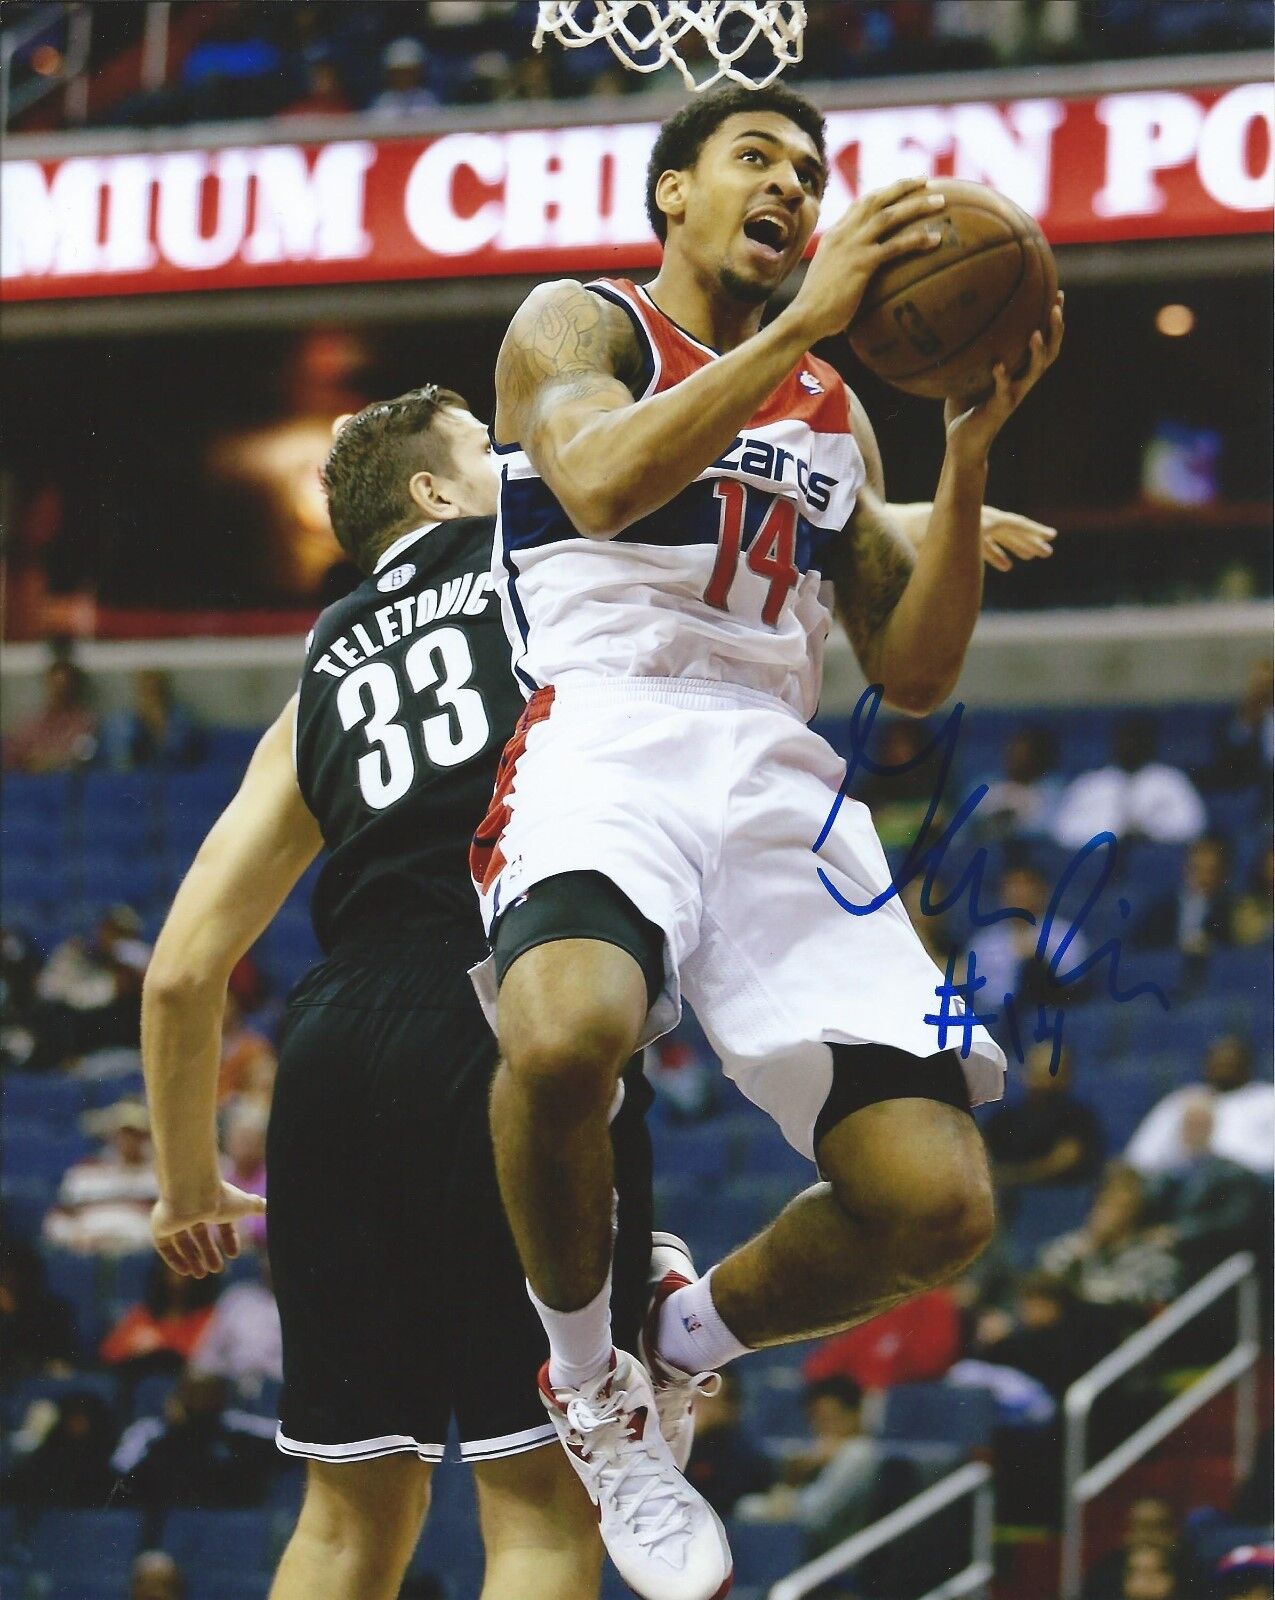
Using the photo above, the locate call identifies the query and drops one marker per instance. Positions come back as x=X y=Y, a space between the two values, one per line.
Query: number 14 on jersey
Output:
x=772 y=554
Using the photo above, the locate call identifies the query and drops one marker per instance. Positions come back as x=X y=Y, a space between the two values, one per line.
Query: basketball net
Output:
x=644 y=35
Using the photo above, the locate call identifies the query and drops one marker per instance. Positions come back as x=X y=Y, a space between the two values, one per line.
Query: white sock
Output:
x=579 y=1341
x=691 y=1335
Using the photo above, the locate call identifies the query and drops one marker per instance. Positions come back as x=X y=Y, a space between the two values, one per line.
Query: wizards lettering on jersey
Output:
x=754 y=458
x=464 y=596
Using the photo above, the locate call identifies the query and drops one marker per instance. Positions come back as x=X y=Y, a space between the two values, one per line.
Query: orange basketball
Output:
x=935 y=324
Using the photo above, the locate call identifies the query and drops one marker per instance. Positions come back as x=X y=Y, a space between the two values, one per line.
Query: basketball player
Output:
x=401 y=1296
x=684 y=495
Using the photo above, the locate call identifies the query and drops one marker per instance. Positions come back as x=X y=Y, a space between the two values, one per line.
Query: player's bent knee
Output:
x=573 y=1058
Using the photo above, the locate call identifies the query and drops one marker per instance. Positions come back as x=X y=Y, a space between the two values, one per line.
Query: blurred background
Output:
x=223 y=224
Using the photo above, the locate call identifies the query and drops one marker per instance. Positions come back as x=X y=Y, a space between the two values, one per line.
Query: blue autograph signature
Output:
x=926 y=859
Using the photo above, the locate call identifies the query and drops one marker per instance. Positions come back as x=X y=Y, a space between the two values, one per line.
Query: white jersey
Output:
x=724 y=583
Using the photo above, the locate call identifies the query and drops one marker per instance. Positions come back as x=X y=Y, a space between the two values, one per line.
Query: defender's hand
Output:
x=881 y=227
x=970 y=432
x=1007 y=538
x=198 y=1241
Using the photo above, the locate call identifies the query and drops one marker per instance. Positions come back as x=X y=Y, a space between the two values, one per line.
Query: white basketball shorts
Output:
x=703 y=802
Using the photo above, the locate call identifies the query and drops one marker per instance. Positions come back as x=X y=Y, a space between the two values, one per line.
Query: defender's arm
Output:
x=244 y=871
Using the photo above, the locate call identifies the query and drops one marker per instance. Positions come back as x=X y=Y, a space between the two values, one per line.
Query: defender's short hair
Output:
x=685 y=133
x=372 y=460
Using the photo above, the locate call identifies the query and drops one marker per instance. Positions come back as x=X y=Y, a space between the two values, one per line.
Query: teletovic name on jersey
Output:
x=405 y=704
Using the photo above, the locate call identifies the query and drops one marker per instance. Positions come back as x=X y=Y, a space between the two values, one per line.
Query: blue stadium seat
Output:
x=79 y=1280
x=450 y=1546
x=221 y=1544
x=128 y=1278
x=23 y=1204
x=759 y=1150
x=1244 y=973
x=88 y=1547
x=764 y=1552
x=43 y=1155
x=1036 y=1214
x=938 y=1412
x=150 y=1395
x=42 y=795
x=699 y=1152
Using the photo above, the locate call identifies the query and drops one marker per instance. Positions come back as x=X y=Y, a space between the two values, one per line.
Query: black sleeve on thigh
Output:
x=579 y=905
x=863 y=1074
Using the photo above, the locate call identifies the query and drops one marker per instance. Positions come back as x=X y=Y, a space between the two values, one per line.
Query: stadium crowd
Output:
x=237 y=59
x=1130 y=1160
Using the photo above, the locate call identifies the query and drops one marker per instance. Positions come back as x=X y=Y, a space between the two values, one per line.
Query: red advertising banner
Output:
x=1141 y=164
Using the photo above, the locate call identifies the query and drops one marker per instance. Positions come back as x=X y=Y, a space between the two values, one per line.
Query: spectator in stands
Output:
x=248 y=1062
x=156 y=1576
x=1023 y=803
x=725 y=1465
x=1149 y=1522
x=1051 y=1334
x=1209 y=1206
x=324 y=94
x=1243 y=1116
x=1134 y=796
x=237 y=69
x=1049 y=1136
x=159 y=1333
x=1196 y=917
x=70 y=1467
x=156 y=731
x=1149 y=1572
x=1113 y=1260
x=1247 y=1573
x=1242 y=749
x=199 y=1454
x=1005 y=954
x=914 y=1342
x=104 y=1204
x=62 y=735
x=243 y=1342
x=20 y=964
x=900 y=796
x=90 y=995
x=243 y=1145
x=830 y=1486
x=403 y=92
x=37 y=1328
x=1251 y=921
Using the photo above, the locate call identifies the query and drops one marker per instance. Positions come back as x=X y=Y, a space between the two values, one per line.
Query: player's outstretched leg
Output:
x=540 y=1533
x=907 y=1204
x=570 y=1014
x=359 y=1524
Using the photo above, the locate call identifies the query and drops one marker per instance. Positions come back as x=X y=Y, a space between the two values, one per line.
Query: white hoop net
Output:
x=644 y=35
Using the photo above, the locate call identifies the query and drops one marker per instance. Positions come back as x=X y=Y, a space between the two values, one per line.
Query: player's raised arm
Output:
x=910 y=612
x=245 y=869
x=564 y=367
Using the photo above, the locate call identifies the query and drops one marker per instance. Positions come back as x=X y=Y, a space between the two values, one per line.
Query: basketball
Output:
x=935 y=324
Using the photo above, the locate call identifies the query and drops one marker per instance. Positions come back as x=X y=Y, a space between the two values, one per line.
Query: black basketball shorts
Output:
x=402 y=1300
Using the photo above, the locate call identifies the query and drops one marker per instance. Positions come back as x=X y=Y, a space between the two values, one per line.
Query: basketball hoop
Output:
x=644 y=34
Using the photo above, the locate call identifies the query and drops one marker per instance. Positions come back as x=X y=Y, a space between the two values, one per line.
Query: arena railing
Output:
x=1237 y=1366
x=973 y=1480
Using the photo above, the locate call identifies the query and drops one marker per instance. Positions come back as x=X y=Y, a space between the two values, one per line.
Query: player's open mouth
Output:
x=770 y=232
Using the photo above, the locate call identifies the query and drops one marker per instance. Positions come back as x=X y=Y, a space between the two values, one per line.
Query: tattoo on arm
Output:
x=874 y=563
x=564 y=344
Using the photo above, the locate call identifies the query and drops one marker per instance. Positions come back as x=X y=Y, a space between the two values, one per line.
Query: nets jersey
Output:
x=405 y=704
x=724 y=582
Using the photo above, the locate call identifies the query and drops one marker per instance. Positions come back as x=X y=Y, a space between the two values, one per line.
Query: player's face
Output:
x=472 y=482
x=751 y=202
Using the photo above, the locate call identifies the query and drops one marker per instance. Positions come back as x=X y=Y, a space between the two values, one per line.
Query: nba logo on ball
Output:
x=396 y=578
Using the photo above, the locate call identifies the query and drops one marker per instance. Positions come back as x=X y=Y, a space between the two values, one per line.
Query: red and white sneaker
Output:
x=665 y=1539
x=675 y=1391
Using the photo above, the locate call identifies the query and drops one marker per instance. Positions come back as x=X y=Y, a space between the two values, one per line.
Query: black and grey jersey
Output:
x=405 y=704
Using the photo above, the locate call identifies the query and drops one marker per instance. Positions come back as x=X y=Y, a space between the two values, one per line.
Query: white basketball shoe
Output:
x=665 y=1539
x=675 y=1391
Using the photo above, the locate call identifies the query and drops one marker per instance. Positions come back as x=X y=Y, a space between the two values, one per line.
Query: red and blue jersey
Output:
x=725 y=581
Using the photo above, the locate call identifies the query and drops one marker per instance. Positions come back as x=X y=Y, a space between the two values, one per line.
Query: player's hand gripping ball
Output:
x=935 y=324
